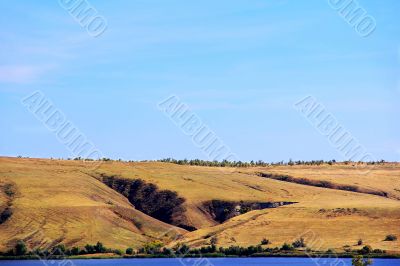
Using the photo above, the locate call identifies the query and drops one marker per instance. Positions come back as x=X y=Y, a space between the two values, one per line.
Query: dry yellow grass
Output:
x=377 y=177
x=55 y=202
x=62 y=199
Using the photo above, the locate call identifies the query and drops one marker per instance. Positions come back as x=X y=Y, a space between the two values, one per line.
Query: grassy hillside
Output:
x=64 y=200
x=380 y=177
x=56 y=203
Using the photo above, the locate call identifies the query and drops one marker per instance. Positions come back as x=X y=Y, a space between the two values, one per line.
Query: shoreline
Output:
x=213 y=256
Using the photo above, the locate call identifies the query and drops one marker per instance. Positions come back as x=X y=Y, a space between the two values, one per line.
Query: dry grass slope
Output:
x=57 y=203
x=62 y=200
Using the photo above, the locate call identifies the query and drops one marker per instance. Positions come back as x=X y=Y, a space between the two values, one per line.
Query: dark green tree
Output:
x=20 y=248
x=129 y=251
x=299 y=243
x=75 y=251
x=99 y=248
x=287 y=247
x=58 y=250
x=89 y=249
x=366 y=250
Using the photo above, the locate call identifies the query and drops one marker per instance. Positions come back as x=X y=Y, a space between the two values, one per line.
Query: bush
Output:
x=287 y=247
x=167 y=251
x=365 y=250
x=117 y=251
x=99 y=248
x=153 y=247
x=20 y=248
x=89 y=249
x=264 y=241
x=391 y=238
x=5 y=215
x=182 y=250
x=75 y=251
x=129 y=251
x=58 y=250
x=378 y=251
x=239 y=251
x=299 y=243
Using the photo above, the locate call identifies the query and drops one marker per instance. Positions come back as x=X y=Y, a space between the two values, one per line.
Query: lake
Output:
x=202 y=262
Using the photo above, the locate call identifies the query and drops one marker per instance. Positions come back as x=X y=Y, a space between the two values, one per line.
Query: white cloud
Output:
x=22 y=74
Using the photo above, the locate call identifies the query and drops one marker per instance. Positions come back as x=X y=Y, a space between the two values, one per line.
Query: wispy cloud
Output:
x=23 y=74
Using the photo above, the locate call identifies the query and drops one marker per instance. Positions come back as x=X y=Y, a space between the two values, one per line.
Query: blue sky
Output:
x=239 y=65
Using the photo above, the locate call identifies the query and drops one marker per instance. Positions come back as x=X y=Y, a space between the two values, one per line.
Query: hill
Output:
x=55 y=201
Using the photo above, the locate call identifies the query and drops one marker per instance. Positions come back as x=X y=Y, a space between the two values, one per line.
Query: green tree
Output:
x=58 y=250
x=366 y=250
x=129 y=251
x=89 y=249
x=99 y=248
x=181 y=249
x=153 y=247
x=117 y=251
x=20 y=248
x=287 y=247
x=75 y=251
x=167 y=251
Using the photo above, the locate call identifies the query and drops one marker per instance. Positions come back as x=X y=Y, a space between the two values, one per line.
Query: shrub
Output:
x=378 y=251
x=99 y=248
x=153 y=247
x=239 y=251
x=391 y=238
x=89 y=249
x=9 y=190
x=5 y=215
x=365 y=250
x=129 y=251
x=75 y=251
x=167 y=251
x=287 y=247
x=182 y=249
x=117 y=251
x=58 y=250
x=208 y=249
x=20 y=248
x=299 y=243
x=264 y=241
